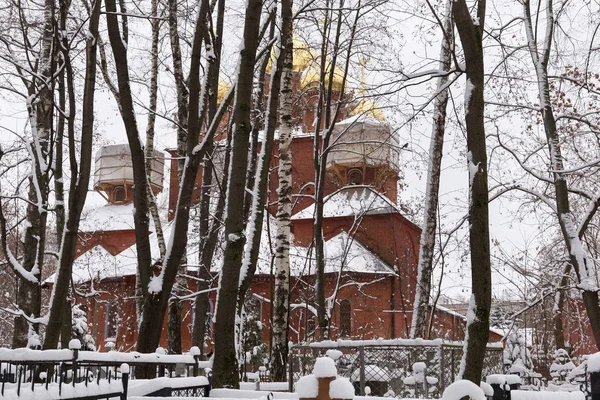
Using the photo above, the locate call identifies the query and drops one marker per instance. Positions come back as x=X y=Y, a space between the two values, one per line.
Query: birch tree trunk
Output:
x=225 y=366
x=155 y=24
x=80 y=177
x=281 y=298
x=427 y=243
x=470 y=30
x=40 y=105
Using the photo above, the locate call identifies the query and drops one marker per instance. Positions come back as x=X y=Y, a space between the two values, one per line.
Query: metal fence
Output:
x=86 y=375
x=385 y=367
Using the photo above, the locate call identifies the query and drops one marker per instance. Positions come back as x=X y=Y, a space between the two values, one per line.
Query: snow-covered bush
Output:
x=516 y=355
x=252 y=345
x=561 y=367
x=79 y=329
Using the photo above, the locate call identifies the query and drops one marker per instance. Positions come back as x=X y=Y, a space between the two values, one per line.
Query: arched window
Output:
x=355 y=177
x=345 y=318
x=119 y=194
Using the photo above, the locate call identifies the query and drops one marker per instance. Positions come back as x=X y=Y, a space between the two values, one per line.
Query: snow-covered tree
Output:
x=79 y=329
x=516 y=354
x=561 y=366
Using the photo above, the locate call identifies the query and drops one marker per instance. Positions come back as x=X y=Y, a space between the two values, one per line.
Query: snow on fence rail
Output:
x=382 y=365
x=43 y=374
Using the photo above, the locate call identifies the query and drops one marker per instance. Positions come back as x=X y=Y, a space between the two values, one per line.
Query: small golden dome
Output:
x=222 y=90
x=303 y=55
x=310 y=77
x=368 y=107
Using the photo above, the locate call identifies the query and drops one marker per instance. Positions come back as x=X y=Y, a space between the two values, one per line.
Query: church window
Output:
x=345 y=318
x=119 y=194
x=111 y=320
x=355 y=176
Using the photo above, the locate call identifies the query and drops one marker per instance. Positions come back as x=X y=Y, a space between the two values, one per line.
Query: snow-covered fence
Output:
x=382 y=365
x=91 y=372
x=37 y=376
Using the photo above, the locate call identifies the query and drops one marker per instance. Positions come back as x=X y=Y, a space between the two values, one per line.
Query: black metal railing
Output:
x=74 y=374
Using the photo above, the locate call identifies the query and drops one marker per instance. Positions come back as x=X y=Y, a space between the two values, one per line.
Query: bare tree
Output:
x=428 y=234
x=470 y=30
x=33 y=59
x=571 y=229
x=80 y=176
x=281 y=298
x=225 y=368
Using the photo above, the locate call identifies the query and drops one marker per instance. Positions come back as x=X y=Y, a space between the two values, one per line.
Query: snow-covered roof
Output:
x=362 y=118
x=351 y=201
x=97 y=263
x=342 y=253
x=110 y=217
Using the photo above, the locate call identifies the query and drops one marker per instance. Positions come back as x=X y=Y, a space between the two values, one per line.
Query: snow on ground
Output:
x=247 y=394
x=143 y=387
x=250 y=394
x=266 y=386
x=545 y=395
x=463 y=388
x=67 y=391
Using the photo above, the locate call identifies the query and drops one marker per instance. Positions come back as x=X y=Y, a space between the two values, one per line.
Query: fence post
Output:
x=442 y=369
x=425 y=384
x=361 y=360
x=595 y=385
x=124 y=380
x=290 y=370
x=195 y=352
x=452 y=363
x=75 y=346
x=161 y=367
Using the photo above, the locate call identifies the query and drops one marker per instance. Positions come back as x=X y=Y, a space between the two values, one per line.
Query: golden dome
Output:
x=310 y=77
x=222 y=90
x=367 y=107
x=303 y=55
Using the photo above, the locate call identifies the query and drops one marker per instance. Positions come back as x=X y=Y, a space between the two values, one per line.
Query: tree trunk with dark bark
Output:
x=141 y=186
x=470 y=30
x=80 y=177
x=225 y=366
x=206 y=248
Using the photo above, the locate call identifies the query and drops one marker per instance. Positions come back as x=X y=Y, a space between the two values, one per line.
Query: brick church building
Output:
x=371 y=248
